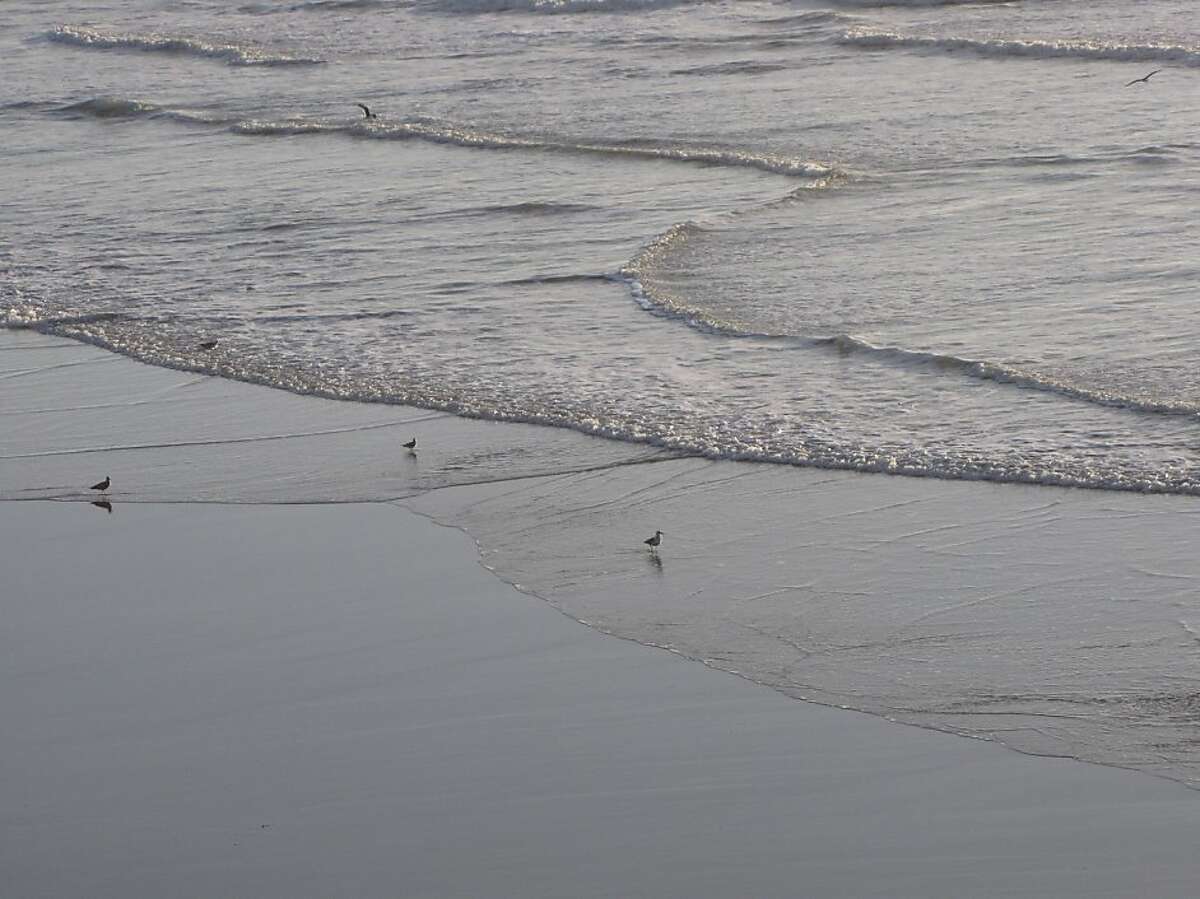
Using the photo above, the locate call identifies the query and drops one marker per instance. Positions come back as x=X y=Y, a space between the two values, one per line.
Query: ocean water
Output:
x=928 y=239
x=934 y=239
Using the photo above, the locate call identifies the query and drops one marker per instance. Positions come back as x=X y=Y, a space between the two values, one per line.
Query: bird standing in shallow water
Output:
x=411 y=446
x=654 y=541
x=103 y=485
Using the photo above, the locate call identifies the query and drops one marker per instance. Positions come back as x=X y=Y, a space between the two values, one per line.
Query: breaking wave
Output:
x=548 y=7
x=123 y=108
x=153 y=42
x=109 y=108
x=813 y=452
x=640 y=274
x=342 y=5
x=867 y=39
x=880 y=4
x=456 y=135
x=1003 y=374
x=467 y=137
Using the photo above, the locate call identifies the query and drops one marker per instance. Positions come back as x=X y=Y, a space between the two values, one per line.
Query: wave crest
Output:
x=125 y=108
x=652 y=291
x=888 y=40
x=467 y=137
x=1002 y=374
x=154 y=42
x=445 y=133
x=882 y=4
x=549 y=7
x=109 y=108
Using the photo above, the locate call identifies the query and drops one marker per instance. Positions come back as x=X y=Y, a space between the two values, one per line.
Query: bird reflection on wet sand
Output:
x=103 y=504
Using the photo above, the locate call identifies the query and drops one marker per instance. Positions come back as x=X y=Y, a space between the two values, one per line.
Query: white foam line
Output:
x=888 y=40
x=155 y=42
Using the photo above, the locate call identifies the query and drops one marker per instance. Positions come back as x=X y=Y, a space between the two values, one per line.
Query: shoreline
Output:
x=167 y=359
x=1050 y=620
x=186 y=665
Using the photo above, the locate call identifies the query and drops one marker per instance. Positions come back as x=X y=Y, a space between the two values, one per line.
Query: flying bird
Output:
x=367 y=114
x=208 y=345
x=411 y=445
x=1145 y=79
x=103 y=485
x=653 y=542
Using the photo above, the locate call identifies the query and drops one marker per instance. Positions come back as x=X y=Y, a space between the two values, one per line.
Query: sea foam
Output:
x=236 y=54
x=868 y=39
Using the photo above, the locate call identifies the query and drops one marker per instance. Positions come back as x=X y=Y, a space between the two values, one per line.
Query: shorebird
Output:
x=411 y=445
x=208 y=345
x=653 y=542
x=367 y=114
x=103 y=485
x=1145 y=79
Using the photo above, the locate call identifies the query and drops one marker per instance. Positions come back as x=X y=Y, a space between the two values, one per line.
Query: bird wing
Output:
x=1144 y=79
x=363 y=107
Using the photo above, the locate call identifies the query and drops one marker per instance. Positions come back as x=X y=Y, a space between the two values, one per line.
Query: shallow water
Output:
x=927 y=239
x=940 y=240
x=1055 y=621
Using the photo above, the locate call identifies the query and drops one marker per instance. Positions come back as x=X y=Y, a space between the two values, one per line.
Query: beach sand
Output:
x=220 y=689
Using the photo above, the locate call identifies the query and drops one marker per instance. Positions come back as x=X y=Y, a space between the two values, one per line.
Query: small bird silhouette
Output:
x=208 y=345
x=367 y=114
x=411 y=445
x=653 y=542
x=103 y=504
x=103 y=485
x=1145 y=79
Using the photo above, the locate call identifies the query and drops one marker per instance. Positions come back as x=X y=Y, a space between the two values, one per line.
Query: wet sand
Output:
x=223 y=695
